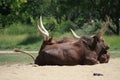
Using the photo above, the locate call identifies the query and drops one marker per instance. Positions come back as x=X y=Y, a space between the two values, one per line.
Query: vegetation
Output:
x=18 y=20
x=29 y=38
x=62 y=12
x=15 y=58
x=113 y=41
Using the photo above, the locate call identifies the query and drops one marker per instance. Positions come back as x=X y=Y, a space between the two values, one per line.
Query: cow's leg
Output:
x=90 y=61
x=91 y=58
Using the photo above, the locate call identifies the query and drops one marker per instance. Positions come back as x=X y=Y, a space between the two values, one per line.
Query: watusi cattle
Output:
x=85 y=50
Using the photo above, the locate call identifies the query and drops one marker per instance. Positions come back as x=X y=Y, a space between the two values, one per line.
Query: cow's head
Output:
x=96 y=43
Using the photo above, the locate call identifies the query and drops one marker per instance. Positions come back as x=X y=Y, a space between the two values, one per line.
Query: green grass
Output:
x=113 y=41
x=27 y=37
x=16 y=58
x=9 y=42
x=114 y=54
x=33 y=42
x=19 y=36
x=24 y=37
x=18 y=29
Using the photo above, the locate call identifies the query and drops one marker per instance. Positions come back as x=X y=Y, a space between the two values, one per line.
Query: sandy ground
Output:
x=110 y=71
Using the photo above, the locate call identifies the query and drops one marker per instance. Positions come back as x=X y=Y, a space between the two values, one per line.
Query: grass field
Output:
x=33 y=42
x=27 y=37
x=113 y=41
x=16 y=58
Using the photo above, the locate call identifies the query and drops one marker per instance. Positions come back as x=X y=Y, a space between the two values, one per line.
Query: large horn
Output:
x=104 y=29
x=42 y=30
x=41 y=24
x=74 y=34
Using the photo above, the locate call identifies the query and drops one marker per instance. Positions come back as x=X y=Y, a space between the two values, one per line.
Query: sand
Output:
x=18 y=71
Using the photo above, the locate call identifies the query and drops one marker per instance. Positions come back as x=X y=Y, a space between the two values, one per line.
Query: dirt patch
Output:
x=110 y=71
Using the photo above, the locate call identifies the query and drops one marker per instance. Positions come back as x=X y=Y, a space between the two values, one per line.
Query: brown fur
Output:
x=85 y=51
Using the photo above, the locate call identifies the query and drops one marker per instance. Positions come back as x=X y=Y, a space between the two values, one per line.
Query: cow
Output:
x=84 y=50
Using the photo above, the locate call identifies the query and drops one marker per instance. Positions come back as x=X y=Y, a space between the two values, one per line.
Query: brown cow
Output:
x=85 y=50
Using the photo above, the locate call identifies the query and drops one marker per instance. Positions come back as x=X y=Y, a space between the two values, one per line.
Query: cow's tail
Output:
x=17 y=50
